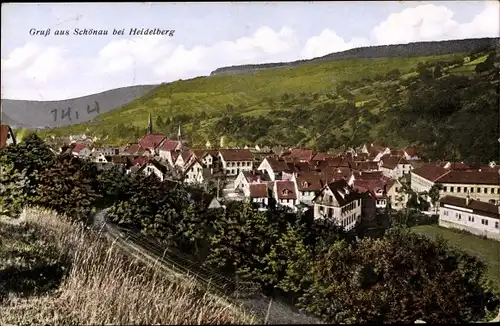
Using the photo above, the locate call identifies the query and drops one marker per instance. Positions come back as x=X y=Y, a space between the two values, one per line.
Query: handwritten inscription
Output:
x=69 y=113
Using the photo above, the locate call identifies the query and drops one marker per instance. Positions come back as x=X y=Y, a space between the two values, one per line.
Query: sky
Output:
x=206 y=36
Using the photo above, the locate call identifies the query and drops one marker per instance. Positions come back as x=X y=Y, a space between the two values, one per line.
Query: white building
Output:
x=340 y=202
x=285 y=194
x=478 y=217
x=235 y=160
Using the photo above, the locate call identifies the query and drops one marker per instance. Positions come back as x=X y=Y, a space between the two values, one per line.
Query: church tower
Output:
x=179 y=133
x=150 y=125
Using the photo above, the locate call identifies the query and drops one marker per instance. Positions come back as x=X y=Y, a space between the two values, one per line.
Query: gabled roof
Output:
x=302 y=154
x=186 y=155
x=192 y=163
x=78 y=148
x=258 y=190
x=255 y=176
x=309 y=181
x=471 y=177
x=231 y=155
x=364 y=165
x=285 y=189
x=169 y=145
x=140 y=160
x=391 y=162
x=321 y=157
x=133 y=148
x=278 y=165
x=163 y=168
x=5 y=130
x=430 y=171
x=343 y=193
x=412 y=151
x=478 y=207
x=151 y=141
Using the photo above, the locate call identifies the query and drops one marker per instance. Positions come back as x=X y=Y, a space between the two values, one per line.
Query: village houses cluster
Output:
x=344 y=187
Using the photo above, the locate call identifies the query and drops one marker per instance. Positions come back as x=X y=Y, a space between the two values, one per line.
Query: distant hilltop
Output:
x=380 y=51
x=43 y=114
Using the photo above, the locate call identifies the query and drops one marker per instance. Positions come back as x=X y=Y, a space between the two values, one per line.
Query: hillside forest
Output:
x=421 y=101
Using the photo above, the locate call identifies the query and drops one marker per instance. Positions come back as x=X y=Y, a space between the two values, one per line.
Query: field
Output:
x=58 y=273
x=485 y=249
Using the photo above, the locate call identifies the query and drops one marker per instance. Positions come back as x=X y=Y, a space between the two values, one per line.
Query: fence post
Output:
x=268 y=311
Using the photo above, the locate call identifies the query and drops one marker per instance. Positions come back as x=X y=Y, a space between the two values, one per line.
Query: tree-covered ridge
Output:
x=397 y=277
x=380 y=51
x=327 y=106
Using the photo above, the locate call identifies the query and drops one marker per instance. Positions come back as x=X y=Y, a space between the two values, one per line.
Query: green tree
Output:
x=397 y=279
x=12 y=185
x=65 y=188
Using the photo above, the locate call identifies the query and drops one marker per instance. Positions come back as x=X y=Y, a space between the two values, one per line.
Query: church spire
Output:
x=150 y=125
x=179 y=133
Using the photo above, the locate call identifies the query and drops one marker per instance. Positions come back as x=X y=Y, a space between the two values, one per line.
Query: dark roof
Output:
x=5 y=130
x=430 y=171
x=255 y=176
x=342 y=196
x=471 y=177
x=163 y=168
x=478 y=207
x=364 y=165
x=278 y=165
x=258 y=190
x=236 y=155
x=391 y=162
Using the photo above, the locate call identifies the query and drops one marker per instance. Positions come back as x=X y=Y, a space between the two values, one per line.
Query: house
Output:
x=245 y=178
x=411 y=153
x=206 y=157
x=299 y=154
x=284 y=192
x=480 y=185
x=183 y=159
x=97 y=157
x=81 y=150
x=135 y=149
x=193 y=172
x=366 y=166
x=394 y=166
x=108 y=151
x=259 y=195
x=162 y=171
x=308 y=185
x=340 y=202
x=235 y=160
x=425 y=176
x=478 y=217
x=273 y=167
x=7 y=136
x=167 y=147
x=375 y=151
x=396 y=195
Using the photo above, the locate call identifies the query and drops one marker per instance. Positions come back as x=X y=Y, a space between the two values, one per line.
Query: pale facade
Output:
x=488 y=193
x=194 y=173
x=233 y=168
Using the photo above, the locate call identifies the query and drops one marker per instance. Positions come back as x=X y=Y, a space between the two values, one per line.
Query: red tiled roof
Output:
x=309 y=181
x=169 y=145
x=258 y=190
x=78 y=148
x=471 y=177
x=412 y=151
x=338 y=189
x=364 y=165
x=4 y=131
x=255 y=176
x=321 y=157
x=236 y=155
x=140 y=160
x=430 y=171
x=372 y=175
x=376 y=187
x=151 y=141
x=302 y=154
x=277 y=165
x=479 y=207
x=133 y=148
x=285 y=189
x=186 y=155
x=391 y=162
x=335 y=173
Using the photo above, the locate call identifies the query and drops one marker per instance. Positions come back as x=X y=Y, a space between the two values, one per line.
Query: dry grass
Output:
x=104 y=286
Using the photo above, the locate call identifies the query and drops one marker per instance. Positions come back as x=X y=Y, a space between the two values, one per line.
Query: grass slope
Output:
x=58 y=273
x=485 y=249
x=248 y=93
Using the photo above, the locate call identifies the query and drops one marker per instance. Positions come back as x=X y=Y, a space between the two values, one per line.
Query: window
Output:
x=471 y=189
x=485 y=190
x=459 y=189
x=496 y=225
x=452 y=189
x=485 y=222
x=498 y=191
x=492 y=190
x=445 y=189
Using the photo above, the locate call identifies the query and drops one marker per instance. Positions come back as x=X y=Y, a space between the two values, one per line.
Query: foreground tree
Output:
x=67 y=189
x=397 y=279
